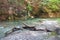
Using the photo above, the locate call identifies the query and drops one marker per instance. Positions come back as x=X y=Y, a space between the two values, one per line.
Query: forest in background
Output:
x=24 y=9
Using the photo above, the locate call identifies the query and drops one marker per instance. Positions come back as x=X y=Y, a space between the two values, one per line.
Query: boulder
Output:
x=27 y=35
x=47 y=24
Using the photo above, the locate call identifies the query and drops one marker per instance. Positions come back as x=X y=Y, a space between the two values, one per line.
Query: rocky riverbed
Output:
x=25 y=34
x=31 y=35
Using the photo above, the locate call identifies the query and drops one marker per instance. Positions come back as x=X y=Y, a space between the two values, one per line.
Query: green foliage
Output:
x=29 y=7
x=52 y=4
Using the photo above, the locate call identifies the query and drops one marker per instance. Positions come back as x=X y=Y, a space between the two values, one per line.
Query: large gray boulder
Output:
x=47 y=24
x=28 y=35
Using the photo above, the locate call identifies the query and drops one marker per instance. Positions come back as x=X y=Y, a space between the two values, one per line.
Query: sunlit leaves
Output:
x=52 y=4
x=54 y=7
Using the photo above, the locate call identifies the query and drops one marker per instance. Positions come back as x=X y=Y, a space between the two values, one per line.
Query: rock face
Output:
x=57 y=30
x=31 y=35
x=35 y=35
x=47 y=24
x=27 y=35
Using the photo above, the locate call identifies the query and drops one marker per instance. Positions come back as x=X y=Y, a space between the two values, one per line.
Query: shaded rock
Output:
x=57 y=30
x=16 y=28
x=30 y=28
